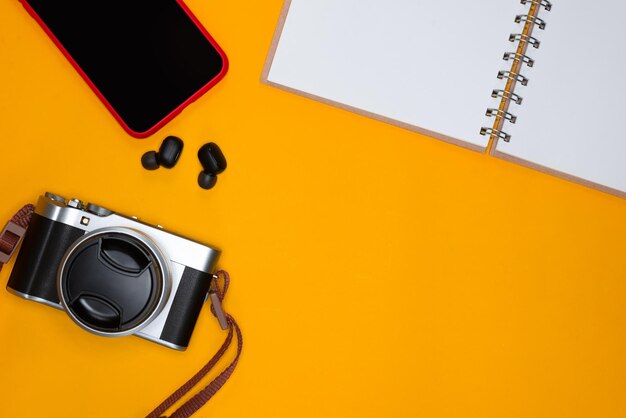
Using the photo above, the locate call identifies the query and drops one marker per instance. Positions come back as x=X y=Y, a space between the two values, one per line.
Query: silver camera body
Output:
x=114 y=275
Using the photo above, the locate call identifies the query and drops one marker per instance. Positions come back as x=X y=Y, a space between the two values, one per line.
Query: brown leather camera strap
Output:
x=10 y=238
x=202 y=397
x=13 y=233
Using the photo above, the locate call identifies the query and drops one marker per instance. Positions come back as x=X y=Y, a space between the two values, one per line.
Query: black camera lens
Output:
x=111 y=283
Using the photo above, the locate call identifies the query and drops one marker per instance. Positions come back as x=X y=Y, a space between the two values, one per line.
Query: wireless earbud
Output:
x=213 y=162
x=167 y=157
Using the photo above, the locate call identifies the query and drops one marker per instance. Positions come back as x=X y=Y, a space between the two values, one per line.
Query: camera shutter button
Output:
x=76 y=204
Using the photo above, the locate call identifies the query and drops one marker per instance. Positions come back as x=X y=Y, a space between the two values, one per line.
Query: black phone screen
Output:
x=146 y=57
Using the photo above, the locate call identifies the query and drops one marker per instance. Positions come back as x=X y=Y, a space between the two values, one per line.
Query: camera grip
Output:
x=34 y=274
x=190 y=296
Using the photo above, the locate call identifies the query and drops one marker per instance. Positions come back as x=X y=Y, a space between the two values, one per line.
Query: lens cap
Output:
x=111 y=283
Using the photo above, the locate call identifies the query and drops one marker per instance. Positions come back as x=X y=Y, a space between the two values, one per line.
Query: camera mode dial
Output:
x=55 y=197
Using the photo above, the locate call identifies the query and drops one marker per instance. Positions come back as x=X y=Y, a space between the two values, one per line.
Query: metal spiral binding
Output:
x=541 y=24
x=506 y=115
x=520 y=37
x=519 y=57
x=512 y=75
x=507 y=95
x=493 y=132
x=545 y=3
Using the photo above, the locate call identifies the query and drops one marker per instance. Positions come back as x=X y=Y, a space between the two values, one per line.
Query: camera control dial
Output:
x=98 y=210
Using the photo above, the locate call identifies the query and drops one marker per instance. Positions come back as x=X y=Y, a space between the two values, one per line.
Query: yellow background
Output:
x=376 y=272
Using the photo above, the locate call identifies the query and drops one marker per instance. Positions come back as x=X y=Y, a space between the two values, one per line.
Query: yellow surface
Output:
x=376 y=272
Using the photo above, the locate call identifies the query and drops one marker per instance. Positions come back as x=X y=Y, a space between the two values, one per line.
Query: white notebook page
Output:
x=572 y=114
x=430 y=64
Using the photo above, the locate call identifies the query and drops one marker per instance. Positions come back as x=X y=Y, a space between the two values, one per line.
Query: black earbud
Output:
x=167 y=157
x=213 y=162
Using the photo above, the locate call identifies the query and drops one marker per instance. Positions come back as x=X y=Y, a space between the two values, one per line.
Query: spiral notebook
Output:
x=534 y=82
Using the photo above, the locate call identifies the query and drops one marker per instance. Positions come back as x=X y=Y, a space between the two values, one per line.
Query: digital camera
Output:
x=113 y=275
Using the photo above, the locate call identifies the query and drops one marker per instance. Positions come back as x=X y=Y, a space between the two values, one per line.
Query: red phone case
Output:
x=173 y=113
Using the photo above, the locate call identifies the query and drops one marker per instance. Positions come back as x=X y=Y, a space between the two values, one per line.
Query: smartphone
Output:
x=145 y=59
